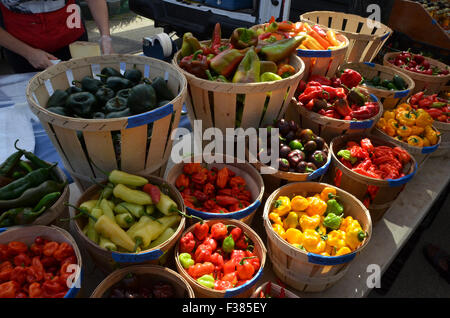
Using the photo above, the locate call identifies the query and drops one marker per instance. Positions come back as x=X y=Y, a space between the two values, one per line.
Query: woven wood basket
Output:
x=357 y=184
x=137 y=153
x=275 y=289
x=28 y=233
x=149 y=273
x=254 y=181
x=390 y=99
x=431 y=83
x=365 y=37
x=308 y=272
x=216 y=103
x=328 y=128
x=107 y=260
x=243 y=291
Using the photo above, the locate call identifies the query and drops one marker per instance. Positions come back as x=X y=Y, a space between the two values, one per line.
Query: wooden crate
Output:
x=216 y=103
x=309 y=272
x=137 y=153
x=357 y=184
x=365 y=40
x=390 y=99
x=153 y=273
x=107 y=260
x=430 y=83
x=243 y=291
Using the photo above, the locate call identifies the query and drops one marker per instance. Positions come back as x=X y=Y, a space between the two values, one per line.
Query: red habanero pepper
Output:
x=222 y=178
x=64 y=250
x=200 y=269
x=21 y=295
x=209 y=189
x=229 y=266
x=50 y=248
x=201 y=230
x=199 y=177
x=187 y=243
x=219 y=209
x=191 y=168
x=245 y=270
x=22 y=260
x=6 y=269
x=37 y=249
x=415 y=98
x=358 y=152
x=35 y=290
x=69 y=260
x=222 y=285
x=227 y=191
x=200 y=196
x=19 y=274
x=3 y=252
x=241 y=243
x=237 y=182
x=49 y=261
x=236 y=233
x=210 y=205
x=53 y=286
x=346 y=163
x=210 y=243
x=231 y=277
x=425 y=103
x=350 y=78
x=202 y=254
x=15 y=248
x=212 y=176
x=224 y=200
x=366 y=173
x=219 y=231
x=9 y=289
x=182 y=182
x=217 y=260
x=367 y=144
x=237 y=255
x=320 y=79
x=254 y=261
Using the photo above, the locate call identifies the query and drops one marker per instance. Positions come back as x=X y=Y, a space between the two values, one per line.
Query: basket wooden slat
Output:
x=153 y=272
x=431 y=83
x=305 y=271
x=363 y=45
x=252 y=110
x=97 y=133
x=224 y=110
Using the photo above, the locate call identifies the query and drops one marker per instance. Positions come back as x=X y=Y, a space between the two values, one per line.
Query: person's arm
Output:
x=37 y=58
x=99 y=11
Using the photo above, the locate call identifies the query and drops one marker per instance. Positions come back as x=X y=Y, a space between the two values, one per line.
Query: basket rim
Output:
x=98 y=60
x=386 y=28
x=286 y=244
x=245 y=229
x=413 y=75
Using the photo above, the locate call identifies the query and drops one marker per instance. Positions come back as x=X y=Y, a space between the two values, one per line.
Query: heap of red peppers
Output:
x=438 y=107
x=212 y=190
x=339 y=98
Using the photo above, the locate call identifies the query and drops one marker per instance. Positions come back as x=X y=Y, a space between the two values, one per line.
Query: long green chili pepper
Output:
x=26 y=166
x=35 y=160
x=10 y=163
x=47 y=200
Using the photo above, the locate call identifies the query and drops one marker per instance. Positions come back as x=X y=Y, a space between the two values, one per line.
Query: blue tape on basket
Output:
x=314 y=53
x=150 y=117
x=361 y=124
x=330 y=260
x=401 y=94
x=73 y=291
x=374 y=98
x=402 y=180
x=3 y=229
x=238 y=290
x=430 y=149
x=321 y=171
x=136 y=258
x=385 y=36
x=370 y=64
x=433 y=21
x=232 y=215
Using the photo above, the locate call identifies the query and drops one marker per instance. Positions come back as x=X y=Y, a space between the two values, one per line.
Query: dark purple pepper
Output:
x=284 y=151
x=301 y=167
x=283 y=126
x=310 y=167
x=318 y=158
x=293 y=126
x=290 y=136
x=310 y=146
x=294 y=158
x=283 y=164
x=320 y=142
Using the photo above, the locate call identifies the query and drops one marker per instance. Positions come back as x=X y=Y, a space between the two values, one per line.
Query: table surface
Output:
x=388 y=235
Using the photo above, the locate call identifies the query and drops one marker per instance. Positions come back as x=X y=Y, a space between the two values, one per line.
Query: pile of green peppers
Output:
x=112 y=96
x=28 y=188
x=396 y=84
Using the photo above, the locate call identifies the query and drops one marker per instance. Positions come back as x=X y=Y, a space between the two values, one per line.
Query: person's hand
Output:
x=106 y=45
x=39 y=59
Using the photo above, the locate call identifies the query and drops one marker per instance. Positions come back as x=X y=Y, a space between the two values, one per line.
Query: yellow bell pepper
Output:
x=342 y=251
x=291 y=221
x=325 y=192
x=354 y=235
x=279 y=230
x=282 y=205
x=316 y=206
x=336 y=239
x=406 y=118
x=388 y=115
x=415 y=141
x=423 y=119
x=275 y=218
x=417 y=130
x=299 y=203
x=404 y=131
x=312 y=242
x=309 y=222
x=294 y=236
x=403 y=106
x=431 y=135
x=392 y=123
x=382 y=122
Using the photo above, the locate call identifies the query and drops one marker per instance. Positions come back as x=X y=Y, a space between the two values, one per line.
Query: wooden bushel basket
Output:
x=216 y=103
x=323 y=62
x=327 y=127
x=365 y=40
x=243 y=291
x=152 y=273
x=100 y=137
x=357 y=184
x=28 y=233
x=245 y=170
x=431 y=83
x=390 y=99
x=107 y=260
x=309 y=272
x=420 y=154
x=275 y=289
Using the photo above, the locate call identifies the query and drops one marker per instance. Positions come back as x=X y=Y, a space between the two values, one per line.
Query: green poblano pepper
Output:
x=133 y=75
x=81 y=104
x=142 y=99
x=161 y=89
x=118 y=83
x=108 y=72
x=89 y=84
x=115 y=104
x=58 y=98
x=104 y=94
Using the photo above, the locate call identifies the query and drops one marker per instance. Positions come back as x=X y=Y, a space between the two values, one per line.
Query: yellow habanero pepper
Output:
x=312 y=242
x=403 y=106
x=282 y=205
x=354 y=235
x=404 y=131
x=299 y=203
x=423 y=119
x=316 y=206
x=279 y=230
x=417 y=130
x=291 y=221
x=345 y=223
x=431 y=135
x=388 y=115
x=391 y=127
x=415 y=141
x=309 y=222
x=406 y=118
x=382 y=122
x=294 y=236
x=343 y=250
x=336 y=239
x=426 y=142
x=325 y=192
x=275 y=218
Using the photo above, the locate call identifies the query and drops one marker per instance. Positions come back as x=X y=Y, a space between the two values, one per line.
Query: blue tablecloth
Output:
x=12 y=91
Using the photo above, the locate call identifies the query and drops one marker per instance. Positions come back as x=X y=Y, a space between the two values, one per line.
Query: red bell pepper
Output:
x=320 y=79
x=350 y=78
